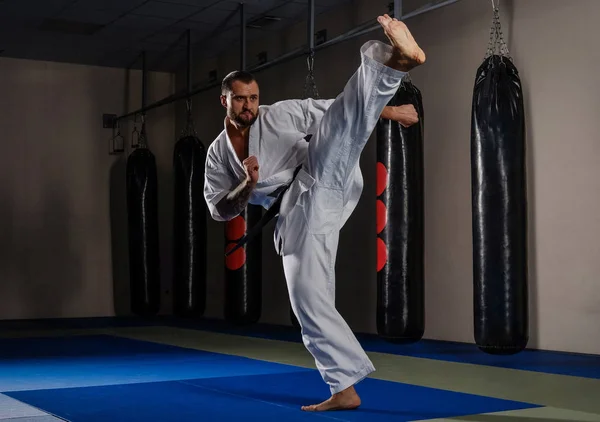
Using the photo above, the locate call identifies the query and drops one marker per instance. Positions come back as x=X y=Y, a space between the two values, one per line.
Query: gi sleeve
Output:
x=217 y=183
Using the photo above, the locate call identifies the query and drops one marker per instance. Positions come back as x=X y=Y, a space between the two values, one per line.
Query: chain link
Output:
x=406 y=79
x=143 y=141
x=497 y=45
x=190 y=127
x=310 y=86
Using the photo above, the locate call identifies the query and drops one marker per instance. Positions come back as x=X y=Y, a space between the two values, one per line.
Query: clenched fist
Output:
x=405 y=114
x=251 y=167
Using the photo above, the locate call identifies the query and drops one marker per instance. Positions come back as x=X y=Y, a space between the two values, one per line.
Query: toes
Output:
x=385 y=19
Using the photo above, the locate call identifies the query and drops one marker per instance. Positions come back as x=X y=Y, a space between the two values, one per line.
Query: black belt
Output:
x=267 y=216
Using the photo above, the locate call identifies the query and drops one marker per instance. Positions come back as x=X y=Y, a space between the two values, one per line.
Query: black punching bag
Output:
x=142 y=208
x=400 y=228
x=499 y=206
x=243 y=270
x=189 y=229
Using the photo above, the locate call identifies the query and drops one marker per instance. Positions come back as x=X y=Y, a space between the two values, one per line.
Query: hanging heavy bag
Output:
x=189 y=228
x=499 y=203
x=400 y=228
x=142 y=208
x=243 y=269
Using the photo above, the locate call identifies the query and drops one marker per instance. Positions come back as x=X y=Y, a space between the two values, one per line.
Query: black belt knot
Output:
x=267 y=216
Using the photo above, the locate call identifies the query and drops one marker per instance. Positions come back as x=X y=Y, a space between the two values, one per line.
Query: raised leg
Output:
x=311 y=229
x=335 y=149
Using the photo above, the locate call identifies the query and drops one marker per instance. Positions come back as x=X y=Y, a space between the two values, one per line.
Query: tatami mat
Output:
x=175 y=372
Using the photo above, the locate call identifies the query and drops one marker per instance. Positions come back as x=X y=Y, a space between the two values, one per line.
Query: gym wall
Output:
x=60 y=189
x=563 y=160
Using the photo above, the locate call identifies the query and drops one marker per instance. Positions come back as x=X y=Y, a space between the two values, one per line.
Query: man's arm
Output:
x=235 y=201
x=406 y=114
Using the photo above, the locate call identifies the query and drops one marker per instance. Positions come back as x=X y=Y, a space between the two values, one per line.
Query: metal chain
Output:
x=118 y=138
x=135 y=135
x=310 y=86
x=143 y=142
x=406 y=79
x=497 y=45
x=190 y=128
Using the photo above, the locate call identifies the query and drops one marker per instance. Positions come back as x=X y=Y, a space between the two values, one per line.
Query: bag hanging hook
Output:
x=310 y=86
x=189 y=129
x=135 y=135
x=310 y=60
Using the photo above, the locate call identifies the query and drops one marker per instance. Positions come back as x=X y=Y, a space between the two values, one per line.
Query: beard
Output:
x=241 y=119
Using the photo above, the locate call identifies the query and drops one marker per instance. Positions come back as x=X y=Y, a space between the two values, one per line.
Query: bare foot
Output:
x=344 y=400
x=407 y=53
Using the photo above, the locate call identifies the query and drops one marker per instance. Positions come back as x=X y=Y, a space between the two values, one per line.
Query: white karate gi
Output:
x=318 y=202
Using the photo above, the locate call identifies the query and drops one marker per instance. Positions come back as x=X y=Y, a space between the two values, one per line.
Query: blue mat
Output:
x=255 y=398
x=381 y=400
x=79 y=361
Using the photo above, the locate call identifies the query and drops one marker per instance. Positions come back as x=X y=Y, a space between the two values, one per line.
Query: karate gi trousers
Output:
x=317 y=205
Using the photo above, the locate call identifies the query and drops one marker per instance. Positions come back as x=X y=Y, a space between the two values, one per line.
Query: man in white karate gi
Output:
x=263 y=148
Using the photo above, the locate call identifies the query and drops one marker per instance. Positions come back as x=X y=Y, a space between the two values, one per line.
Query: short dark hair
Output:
x=236 y=75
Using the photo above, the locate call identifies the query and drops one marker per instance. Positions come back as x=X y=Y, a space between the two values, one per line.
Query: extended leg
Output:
x=335 y=149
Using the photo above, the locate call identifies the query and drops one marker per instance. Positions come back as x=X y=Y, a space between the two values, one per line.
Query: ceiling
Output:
x=114 y=32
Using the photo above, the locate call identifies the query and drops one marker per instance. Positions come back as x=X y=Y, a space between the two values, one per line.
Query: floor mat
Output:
x=559 y=363
x=255 y=398
x=80 y=361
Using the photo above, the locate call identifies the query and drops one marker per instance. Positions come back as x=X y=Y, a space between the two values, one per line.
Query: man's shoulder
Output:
x=216 y=146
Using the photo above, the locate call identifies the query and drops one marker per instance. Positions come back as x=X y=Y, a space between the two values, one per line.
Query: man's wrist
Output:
x=249 y=183
x=387 y=113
